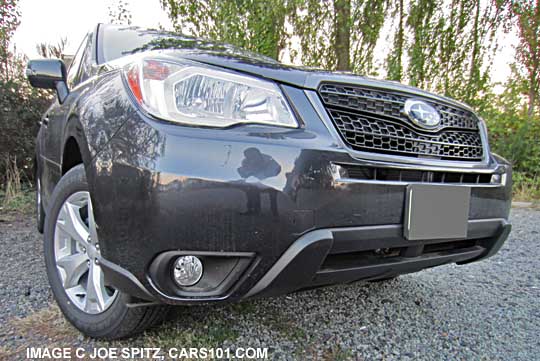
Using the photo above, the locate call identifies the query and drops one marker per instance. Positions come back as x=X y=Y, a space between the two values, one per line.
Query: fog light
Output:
x=188 y=270
x=496 y=178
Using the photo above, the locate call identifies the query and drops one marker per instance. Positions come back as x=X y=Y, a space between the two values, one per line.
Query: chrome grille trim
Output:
x=361 y=172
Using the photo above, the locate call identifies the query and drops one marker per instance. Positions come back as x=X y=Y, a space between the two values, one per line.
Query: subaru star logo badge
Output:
x=422 y=114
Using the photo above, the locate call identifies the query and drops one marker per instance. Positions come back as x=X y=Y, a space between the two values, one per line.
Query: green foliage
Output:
x=367 y=20
x=312 y=22
x=22 y=202
x=515 y=138
x=21 y=108
x=524 y=16
x=394 y=60
x=319 y=27
x=422 y=50
x=451 y=44
x=526 y=187
x=20 y=105
x=251 y=24
x=55 y=51
x=9 y=21
x=513 y=134
x=119 y=13
x=446 y=46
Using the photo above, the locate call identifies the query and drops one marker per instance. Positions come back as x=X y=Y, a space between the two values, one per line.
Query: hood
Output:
x=237 y=59
x=134 y=40
x=302 y=77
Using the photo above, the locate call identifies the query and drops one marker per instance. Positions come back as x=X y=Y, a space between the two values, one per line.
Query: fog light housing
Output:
x=187 y=271
x=496 y=178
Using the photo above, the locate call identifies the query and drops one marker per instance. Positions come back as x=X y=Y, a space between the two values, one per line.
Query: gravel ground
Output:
x=484 y=311
x=23 y=282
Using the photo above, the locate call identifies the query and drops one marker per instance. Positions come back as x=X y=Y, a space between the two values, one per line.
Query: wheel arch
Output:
x=75 y=148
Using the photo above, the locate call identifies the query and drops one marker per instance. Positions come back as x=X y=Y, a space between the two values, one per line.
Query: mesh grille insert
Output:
x=373 y=121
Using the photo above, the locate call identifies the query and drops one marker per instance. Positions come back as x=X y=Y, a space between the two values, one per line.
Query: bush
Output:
x=526 y=187
x=516 y=138
x=21 y=107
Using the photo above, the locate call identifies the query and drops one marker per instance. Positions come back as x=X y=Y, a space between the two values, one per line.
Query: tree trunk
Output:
x=342 y=9
x=473 y=71
x=400 y=42
x=532 y=101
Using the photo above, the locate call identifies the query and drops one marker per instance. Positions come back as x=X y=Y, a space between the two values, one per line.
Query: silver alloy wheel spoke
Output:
x=91 y=221
x=77 y=255
x=75 y=266
x=69 y=221
x=95 y=297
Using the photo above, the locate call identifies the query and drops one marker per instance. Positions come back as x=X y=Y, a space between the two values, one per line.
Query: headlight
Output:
x=202 y=96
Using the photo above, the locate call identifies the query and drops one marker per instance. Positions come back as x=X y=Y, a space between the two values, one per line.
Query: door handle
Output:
x=45 y=120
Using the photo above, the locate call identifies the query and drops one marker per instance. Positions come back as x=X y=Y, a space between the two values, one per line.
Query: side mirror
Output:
x=48 y=74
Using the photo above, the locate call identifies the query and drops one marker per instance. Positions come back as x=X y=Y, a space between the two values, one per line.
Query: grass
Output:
x=200 y=328
x=526 y=188
x=16 y=195
x=194 y=326
x=20 y=202
x=47 y=327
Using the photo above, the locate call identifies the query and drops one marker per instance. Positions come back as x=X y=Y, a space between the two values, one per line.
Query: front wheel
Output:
x=77 y=280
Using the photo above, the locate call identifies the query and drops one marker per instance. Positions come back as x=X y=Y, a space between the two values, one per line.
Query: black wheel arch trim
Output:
x=74 y=129
x=124 y=280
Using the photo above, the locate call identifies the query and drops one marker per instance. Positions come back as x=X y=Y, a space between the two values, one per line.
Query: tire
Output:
x=40 y=212
x=114 y=320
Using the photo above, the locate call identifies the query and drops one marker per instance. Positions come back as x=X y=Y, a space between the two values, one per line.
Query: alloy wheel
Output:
x=76 y=251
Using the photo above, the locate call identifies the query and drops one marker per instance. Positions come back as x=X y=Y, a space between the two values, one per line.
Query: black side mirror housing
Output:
x=48 y=74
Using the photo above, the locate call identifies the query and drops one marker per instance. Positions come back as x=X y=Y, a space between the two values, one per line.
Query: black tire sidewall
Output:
x=98 y=325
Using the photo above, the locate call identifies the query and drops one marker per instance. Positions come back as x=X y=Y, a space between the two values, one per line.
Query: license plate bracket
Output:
x=436 y=211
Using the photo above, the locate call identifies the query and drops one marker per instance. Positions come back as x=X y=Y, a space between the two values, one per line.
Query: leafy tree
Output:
x=251 y=24
x=526 y=16
x=453 y=42
x=20 y=105
x=367 y=21
x=52 y=50
x=9 y=21
x=119 y=13
x=394 y=60
x=342 y=39
x=341 y=34
x=422 y=21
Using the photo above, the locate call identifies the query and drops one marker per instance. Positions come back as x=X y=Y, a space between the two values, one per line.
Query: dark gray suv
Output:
x=176 y=171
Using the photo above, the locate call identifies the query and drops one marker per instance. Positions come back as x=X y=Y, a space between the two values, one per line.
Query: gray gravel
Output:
x=484 y=311
x=23 y=282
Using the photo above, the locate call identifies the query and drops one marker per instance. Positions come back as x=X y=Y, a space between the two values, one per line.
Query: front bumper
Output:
x=161 y=188
x=340 y=255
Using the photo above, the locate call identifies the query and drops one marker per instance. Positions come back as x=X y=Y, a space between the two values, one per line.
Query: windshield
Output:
x=119 y=41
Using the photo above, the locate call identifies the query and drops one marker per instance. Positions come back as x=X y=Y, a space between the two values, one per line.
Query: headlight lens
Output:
x=201 y=96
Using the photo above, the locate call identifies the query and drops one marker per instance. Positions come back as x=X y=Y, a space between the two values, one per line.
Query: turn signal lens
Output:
x=133 y=81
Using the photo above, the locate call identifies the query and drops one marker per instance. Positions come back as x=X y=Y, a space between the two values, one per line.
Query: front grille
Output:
x=412 y=175
x=373 y=120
